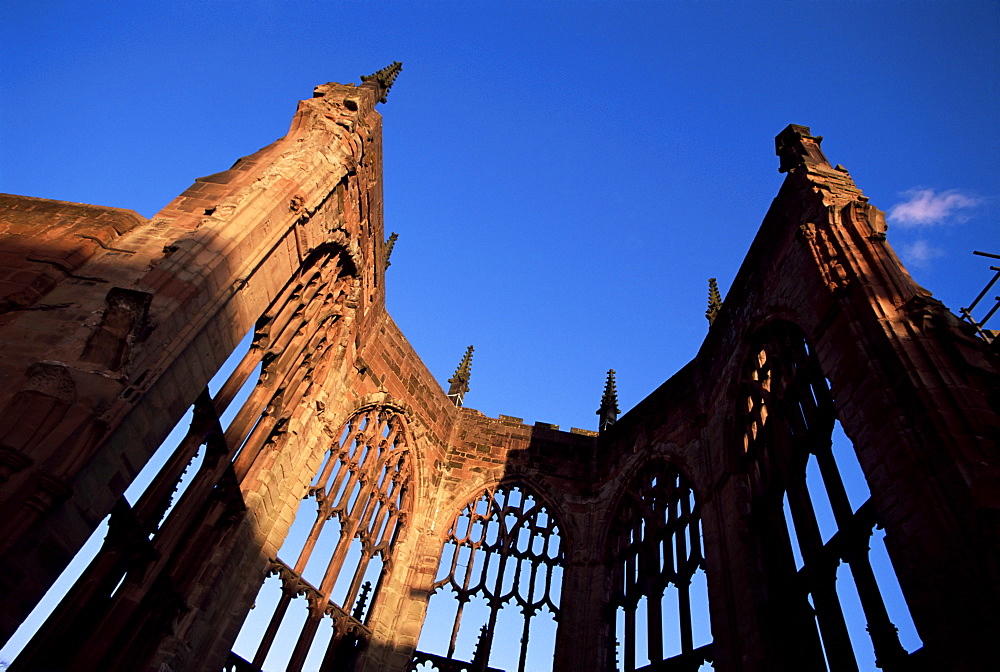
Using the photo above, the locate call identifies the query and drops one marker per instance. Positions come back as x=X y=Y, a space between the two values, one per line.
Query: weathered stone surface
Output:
x=113 y=325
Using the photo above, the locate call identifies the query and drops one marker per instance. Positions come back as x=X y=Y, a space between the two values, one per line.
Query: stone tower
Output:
x=322 y=425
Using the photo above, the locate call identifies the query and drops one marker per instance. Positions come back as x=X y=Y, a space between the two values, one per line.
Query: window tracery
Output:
x=657 y=555
x=194 y=478
x=502 y=552
x=336 y=570
x=788 y=423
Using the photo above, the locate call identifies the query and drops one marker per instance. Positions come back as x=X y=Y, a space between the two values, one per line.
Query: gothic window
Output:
x=659 y=593
x=330 y=568
x=502 y=562
x=804 y=513
x=194 y=477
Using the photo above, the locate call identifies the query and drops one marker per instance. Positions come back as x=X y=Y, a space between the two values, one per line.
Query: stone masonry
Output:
x=112 y=325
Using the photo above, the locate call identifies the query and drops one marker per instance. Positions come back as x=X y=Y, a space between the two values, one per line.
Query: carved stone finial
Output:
x=797 y=147
x=714 y=301
x=383 y=79
x=608 y=412
x=481 y=656
x=359 y=608
x=460 y=381
x=389 y=244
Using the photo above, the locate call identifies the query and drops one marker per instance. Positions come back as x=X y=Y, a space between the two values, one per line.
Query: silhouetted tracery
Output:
x=504 y=548
x=262 y=381
x=656 y=548
x=360 y=497
x=789 y=418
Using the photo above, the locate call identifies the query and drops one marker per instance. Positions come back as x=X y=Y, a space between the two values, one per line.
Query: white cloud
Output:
x=925 y=207
x=919 y=253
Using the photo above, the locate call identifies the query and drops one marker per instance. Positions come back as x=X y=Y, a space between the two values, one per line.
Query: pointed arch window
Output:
x=502 y=562
x=194 y=477
x=331 y=567
x=659 y=592
x=807 y=522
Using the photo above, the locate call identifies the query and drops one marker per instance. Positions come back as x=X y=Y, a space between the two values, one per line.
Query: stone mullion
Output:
x=371 y=503
x=237 y=378
x=820 y=568
x=155 y=499
x=323 y=476
x=302 y=341
x=684 y=614
x=359 y=576
x=348 y=530
x=344 y=471
x=248 y=450
x=889 y=653
x=463 y=594
x=304 y=312
x=630 y=601
x=629 y=645
x=287 y=397
x=283 y=307
x=379 y=542
x=306 y=636
x=333 y=648
x=888 y=650
x=616 y=592
x=287 y=594
x=529 y=610
x=249 y=415
x=667 y=543
x=834 y=486
x=694 y=532
x=74 y=620
x=322 y=516
x=174 y=531
x=684 y=571
x=650 y=576
x=486 y=643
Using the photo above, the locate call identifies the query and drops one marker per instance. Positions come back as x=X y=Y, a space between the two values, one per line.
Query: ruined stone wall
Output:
x=113 y=325
x=144 y=313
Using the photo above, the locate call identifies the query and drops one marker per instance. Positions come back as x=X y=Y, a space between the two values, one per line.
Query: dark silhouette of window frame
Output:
x=788 y=417
x=515 y=533
x=655 y=546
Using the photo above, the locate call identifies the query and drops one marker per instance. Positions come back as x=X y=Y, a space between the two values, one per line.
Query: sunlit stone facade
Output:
x=818 y=488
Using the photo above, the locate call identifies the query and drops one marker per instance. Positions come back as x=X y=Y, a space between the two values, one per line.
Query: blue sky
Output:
x=564 y=176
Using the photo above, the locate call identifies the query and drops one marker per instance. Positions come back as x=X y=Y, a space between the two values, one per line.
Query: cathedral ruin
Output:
x=328 y=466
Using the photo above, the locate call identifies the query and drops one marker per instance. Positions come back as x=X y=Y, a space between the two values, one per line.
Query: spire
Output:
x=460 y=381
x=389 y=244
x=608 y=412
x=714 y=301
x=383 y=79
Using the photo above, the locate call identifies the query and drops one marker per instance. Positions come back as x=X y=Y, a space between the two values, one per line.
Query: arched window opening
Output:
x=194 y=476
x=502 y=563
x=156 y=489
x=797 y=454
x=659 y=592
x=331 y=566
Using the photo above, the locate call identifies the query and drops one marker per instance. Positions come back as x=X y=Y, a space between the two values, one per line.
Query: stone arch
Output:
x=162 y=546
x=502 y=549
x=654 y=543
x=541 y=489
x=785 y=417
x=361 y=490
